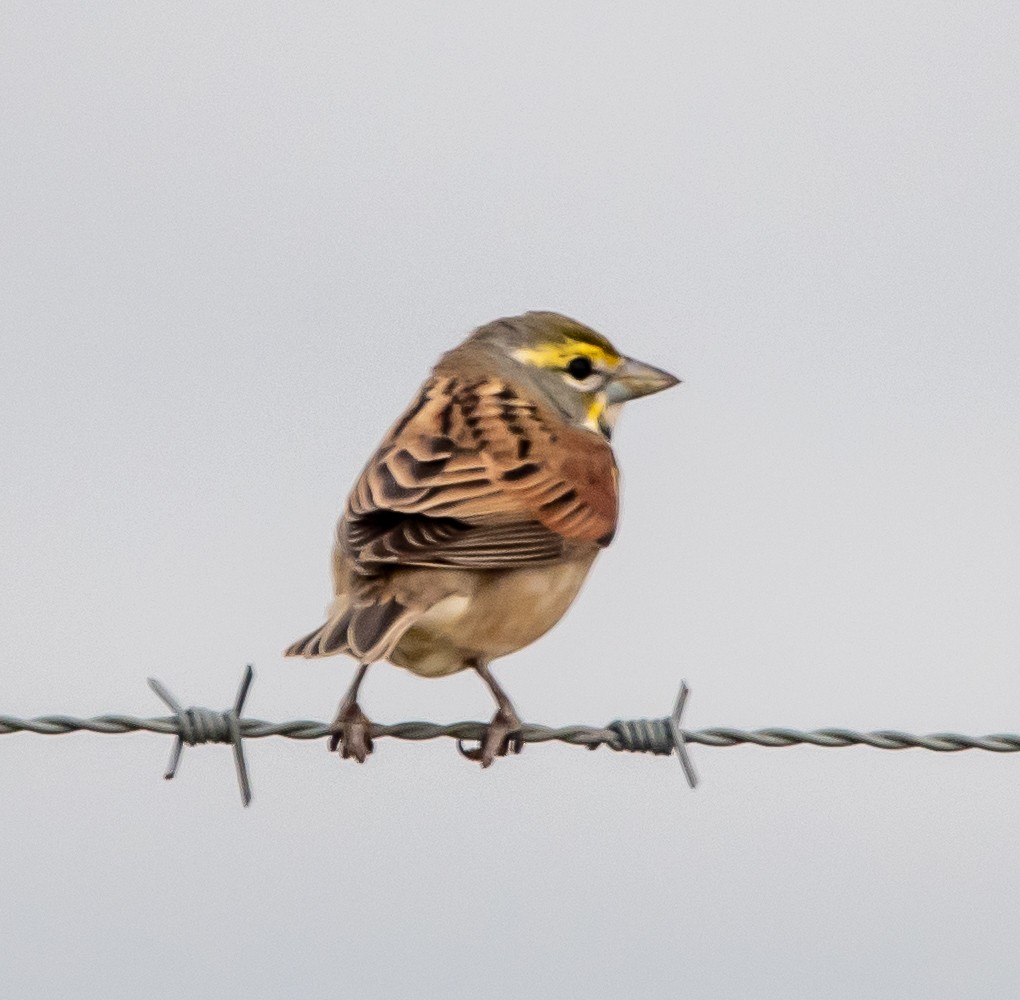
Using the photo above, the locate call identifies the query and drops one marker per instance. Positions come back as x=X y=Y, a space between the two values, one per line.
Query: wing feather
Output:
x=474 y=475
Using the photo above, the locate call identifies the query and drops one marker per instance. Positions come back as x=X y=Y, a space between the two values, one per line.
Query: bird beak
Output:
x=634 y=378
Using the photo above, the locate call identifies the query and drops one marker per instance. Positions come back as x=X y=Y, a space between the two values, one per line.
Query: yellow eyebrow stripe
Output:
x=559 y=355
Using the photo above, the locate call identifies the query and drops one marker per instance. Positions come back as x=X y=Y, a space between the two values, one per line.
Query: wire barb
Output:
x=203 y=725
x=658 y=736
x=679 y=739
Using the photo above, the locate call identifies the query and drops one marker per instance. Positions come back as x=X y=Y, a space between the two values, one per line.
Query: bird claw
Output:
x=502 y=737
x=351 y=734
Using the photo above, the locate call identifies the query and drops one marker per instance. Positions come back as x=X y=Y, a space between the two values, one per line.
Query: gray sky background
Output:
x=236 y=236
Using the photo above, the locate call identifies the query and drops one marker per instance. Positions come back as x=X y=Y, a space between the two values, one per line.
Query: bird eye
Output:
x=579 y=368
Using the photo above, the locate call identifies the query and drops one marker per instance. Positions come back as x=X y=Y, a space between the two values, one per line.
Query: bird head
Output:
x=574 y=367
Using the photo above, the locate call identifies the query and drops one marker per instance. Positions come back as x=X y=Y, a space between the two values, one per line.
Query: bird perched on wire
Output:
x=473 y=526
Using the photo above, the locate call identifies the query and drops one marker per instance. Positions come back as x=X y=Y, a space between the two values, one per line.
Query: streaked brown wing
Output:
x=474 y=475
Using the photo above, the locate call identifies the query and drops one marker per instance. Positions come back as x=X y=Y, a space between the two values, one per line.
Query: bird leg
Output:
x=502 y=735
x=351 y=728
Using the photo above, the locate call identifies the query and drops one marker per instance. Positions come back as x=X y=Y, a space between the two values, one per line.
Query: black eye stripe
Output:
x=580 y=368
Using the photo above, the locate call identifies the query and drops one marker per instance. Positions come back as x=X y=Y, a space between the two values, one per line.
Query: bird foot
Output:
x=502 y=737
x=351 y=733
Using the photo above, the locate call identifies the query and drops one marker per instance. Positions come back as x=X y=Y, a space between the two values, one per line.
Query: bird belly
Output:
x=501 y=613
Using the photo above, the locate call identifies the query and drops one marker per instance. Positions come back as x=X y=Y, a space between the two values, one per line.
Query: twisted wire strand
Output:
x=634 y=735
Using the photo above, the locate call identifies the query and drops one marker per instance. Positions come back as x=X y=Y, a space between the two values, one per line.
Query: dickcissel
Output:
x=473 y=526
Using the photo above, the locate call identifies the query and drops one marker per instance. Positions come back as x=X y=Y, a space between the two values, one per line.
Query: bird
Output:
x=474 y=524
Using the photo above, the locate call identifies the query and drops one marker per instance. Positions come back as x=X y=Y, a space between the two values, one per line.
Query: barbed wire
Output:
x=661 y=736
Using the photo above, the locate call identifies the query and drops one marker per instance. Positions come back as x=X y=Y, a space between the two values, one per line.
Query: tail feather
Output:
x=308 y=646
x=371 y=626
x=333 y=635
x=367 y=632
